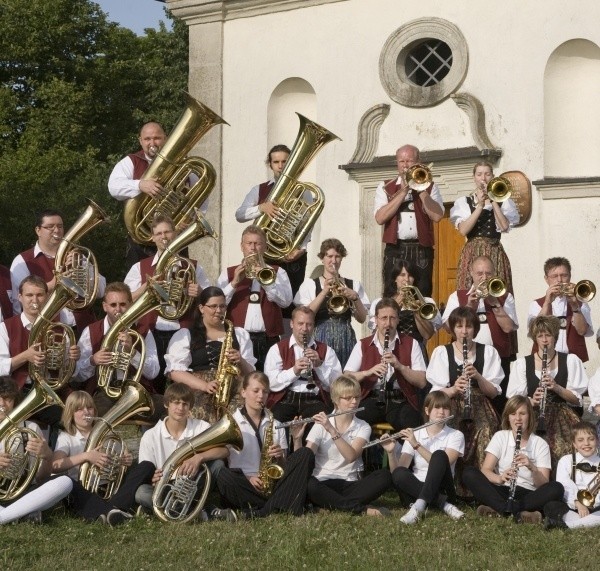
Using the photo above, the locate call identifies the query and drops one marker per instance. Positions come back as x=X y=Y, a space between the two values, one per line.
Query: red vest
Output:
x=500 y=339
x=371 y=357
x=263 y=191
x=140 y=164
x=5 y=286
x=18 y=341
x=575 y=342
x=289 y=358
x=424 y=223
x=238 y=306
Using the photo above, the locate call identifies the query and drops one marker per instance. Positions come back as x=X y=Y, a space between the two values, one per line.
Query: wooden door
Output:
x=448 y=244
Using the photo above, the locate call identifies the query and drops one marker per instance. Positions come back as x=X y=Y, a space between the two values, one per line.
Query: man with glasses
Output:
x=574 y=315
x=253 y=305
x=300 y=370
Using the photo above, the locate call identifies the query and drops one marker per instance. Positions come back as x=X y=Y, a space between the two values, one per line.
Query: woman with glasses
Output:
x=194 y=355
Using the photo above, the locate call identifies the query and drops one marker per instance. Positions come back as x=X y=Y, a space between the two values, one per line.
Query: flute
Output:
x=397 y=435
x=299 y=421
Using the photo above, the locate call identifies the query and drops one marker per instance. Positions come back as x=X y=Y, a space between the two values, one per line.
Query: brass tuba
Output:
x=419 y=177
x=54 y=338
x=176 y=498
x=83 y=269
x=499 y=189
x=106 y=481
x=16 y=478
x=413 y=300
x=268 y=471
x=171 y=169
x=227 y=373
x=296 y=216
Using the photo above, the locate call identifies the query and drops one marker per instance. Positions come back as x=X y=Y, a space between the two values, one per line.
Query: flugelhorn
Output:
x=494 y=287
x=397 y=435
x=300 y=421
x=296 y=216
x=255 y=268
x=413 y=300
x=499 y=189
x=338 y=303
x=583 y=290
x=419 y=177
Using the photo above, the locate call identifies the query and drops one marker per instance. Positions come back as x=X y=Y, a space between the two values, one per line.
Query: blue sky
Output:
x=134 y=14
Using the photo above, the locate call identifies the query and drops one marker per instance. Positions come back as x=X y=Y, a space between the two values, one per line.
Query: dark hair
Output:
x=387 y=302
x=389 y=287
x=160 y=219
x=179 y=391
x=34 y=281
x=466 y=313
x=198 y=331
x=118 y=287
x=9 y=389
x=332 y=244
x=555 y=262
x=277 y=149
x=259 y=376
x=39 y=219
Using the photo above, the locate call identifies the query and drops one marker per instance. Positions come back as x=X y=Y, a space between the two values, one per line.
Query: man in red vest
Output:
x=574 y=314
x=300 y=370
x=389 y=377
x=407 y=217
x=254 y=306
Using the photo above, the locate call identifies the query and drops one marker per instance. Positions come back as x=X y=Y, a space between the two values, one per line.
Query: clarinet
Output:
x=381 y=397
x=541 y=424
x=513 y=483
x=467 y=415
x=308 y=372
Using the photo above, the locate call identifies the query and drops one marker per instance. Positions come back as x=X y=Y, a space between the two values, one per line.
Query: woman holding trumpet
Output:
x=432 y=450
x=554 y=382
x=334 y=300
x=482 y=219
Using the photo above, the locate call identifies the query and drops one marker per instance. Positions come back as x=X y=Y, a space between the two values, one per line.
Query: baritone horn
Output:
x=413 y=300
x=296 y=216
x=494 y=287
x=171 y=169
x=419 y=177
x=255 y=268
x=583 y=290
x=499 y=189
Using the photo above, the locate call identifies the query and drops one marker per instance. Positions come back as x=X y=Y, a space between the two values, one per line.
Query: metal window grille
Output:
x=428 y=63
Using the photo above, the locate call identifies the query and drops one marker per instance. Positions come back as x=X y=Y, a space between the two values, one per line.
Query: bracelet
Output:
x=336 y=437
x=417 y=446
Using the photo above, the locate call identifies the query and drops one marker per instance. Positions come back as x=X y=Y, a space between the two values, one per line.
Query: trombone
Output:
x=583 y=290
x=413 y=300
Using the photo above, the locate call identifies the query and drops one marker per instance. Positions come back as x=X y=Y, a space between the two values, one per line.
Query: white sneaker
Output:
x=411 y=517
x=452 y=511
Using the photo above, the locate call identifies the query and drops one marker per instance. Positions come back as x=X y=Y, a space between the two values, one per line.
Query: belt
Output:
x=294 y=396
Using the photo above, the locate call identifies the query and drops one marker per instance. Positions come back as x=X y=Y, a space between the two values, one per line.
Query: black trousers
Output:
x=496 y=497
x=349 y=496
x=162 y=339
x=285 y=411
x=439 y=479
x=289 y=493
x=399 y=414
x=296 y=271
x=260 y=347
x=411 y=251
x=90 y=506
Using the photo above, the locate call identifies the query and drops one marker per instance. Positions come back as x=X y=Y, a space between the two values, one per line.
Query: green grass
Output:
x=317 y=541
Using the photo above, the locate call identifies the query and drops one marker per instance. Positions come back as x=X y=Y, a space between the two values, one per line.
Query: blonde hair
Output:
x=342 y=385
x=75 y=401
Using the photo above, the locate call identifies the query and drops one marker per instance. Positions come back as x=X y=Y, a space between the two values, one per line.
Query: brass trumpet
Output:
x=583 y=290
x=499 y=189
x=255 y=268
x=413 y=300
x=419 y=177
x=494 y=287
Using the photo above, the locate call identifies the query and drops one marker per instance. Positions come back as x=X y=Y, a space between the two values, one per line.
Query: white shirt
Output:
x=447 y=438
x=329 y=463
x=417 y=363
x=279 y=292
x=438 y=370
x=19 y=271
x=248 y=458
x=407 y=223
x=308 y=292
x=179 y=357
x=582 y=479
x=484 y=335
x=436 y=322
x=71 y=445
x=502 y=446
x=559 y=309
x=460 y=212
x=594 y=390
x=280 y=378
x=157 y=444
x=134 y=280
x=86 y=369
x=577 y=381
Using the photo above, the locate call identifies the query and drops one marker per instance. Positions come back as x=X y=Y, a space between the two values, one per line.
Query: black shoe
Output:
x=117 y=517
x=554 y=523
x=223 y=514
x=248 y=514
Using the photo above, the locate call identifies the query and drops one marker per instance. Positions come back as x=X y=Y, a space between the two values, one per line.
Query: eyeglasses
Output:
x=351 y=397
x=216 y=306
x=53 y=227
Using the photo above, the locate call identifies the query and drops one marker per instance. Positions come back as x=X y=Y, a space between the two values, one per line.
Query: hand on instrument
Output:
x=322 y=419
x=269 y=208
x=461 y=385
x=537 y=396
x=190 y=466
x=74 y=353
x=233 y=356
x=294 y=255
x=473 y=298
x=389 y=358
x=38 y=447
x=212 y=387
x=313 y=356
x=5 y=460
x=471 y=372
x=256 y=483
x=301 y=364
x=156 y=476
x=102 y=357
x=523 y=461
x=151 y=188
x=97 y=458
x=194 y=290
x=581 y=509
x=127 y=459
x=507 y=476
x=239 y=274
x=126 y=340
x=409 y=435
x=35 y=355
x=553 y=292
x=387 y=443
x=297 y=431
x=379 y=370
x=275 y=451
x=481 y=196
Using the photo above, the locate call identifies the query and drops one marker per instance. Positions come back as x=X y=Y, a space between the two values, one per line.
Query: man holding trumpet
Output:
x=565 y=301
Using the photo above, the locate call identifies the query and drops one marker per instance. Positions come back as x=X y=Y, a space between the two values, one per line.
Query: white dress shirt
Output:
x=460 y=212
x=71 y=445
x=594 y=390
x=582 y=480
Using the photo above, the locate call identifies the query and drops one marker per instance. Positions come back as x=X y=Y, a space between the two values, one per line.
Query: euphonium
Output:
x=83 y=268
x=338 y=303
x=175 y=497
x=413 y=300
x=268 y=471
x=226 y=374
x=587 y=497
x=105 y=481
x=419 y=177
x=54 y=338
x=176 y=272
x=296 y=216
x=499 y=189
x=494 y=287
x=255 y=268
x=16 y=478
x=108 y=375
x=171 y=169
x=583 y=290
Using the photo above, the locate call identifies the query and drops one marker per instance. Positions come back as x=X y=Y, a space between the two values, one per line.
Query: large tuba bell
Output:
x=296 y=216
x=83 y=268
x=419 y=177
x=171 y=169
x=54 y=338
x=21 y=471
x=176 y=497
x=106 y=480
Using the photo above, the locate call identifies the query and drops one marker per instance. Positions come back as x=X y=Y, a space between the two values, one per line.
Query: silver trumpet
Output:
x=300 y=421
x=397 y=435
